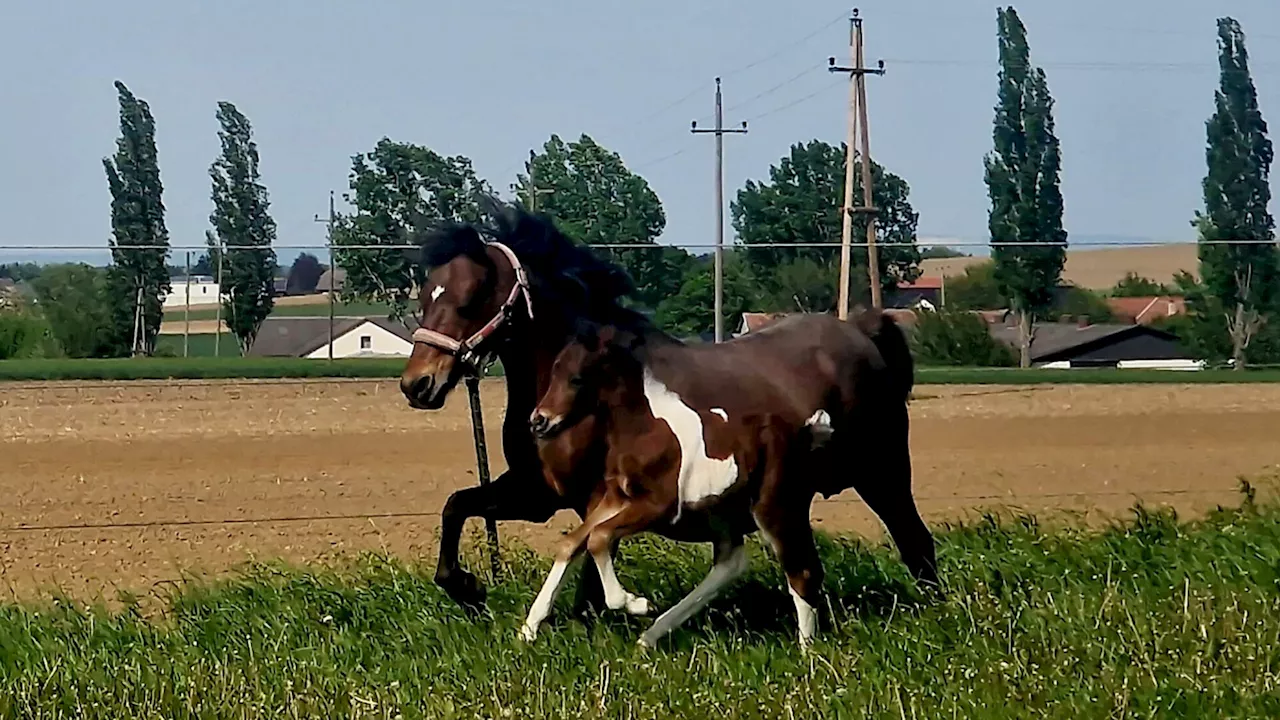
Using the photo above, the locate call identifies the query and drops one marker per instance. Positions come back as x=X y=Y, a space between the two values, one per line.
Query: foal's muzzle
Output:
x=543 y=426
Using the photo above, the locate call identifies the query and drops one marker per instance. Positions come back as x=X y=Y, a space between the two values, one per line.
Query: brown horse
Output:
x=686 y=472
x=520 y=295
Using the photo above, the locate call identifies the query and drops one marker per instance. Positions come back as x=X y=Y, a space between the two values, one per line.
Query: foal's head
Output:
x=592 y=372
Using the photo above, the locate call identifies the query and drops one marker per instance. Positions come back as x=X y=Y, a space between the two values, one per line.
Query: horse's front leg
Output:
x=514 y=495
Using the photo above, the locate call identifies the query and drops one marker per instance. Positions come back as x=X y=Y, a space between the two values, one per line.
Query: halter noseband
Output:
x=465 y=350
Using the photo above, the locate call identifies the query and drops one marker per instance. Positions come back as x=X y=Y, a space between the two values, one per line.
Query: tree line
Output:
x=597 y=200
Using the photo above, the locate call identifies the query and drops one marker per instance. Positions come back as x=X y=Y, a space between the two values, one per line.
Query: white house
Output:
x=203 y=289
x=353 y=337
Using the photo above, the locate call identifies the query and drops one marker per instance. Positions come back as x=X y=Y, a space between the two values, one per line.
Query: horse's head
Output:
x=469 y=291
x=593 y=370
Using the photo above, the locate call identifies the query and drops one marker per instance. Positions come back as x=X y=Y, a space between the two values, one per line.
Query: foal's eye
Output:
x=576 y=381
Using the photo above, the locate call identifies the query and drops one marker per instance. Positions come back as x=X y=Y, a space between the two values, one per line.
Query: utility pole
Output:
x=531 y=189
x=333 y=271
x=186 y=311
x=857 y=118
x=719 y=132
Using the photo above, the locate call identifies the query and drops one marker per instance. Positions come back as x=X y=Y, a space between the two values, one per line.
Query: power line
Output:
x=793 y=103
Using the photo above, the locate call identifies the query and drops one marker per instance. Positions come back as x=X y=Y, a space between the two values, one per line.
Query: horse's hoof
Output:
x=464 y=589
x=637 y=605
x=528 y=633
x=646 y=643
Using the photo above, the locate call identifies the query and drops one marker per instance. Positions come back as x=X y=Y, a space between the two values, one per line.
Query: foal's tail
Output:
x=891 y=341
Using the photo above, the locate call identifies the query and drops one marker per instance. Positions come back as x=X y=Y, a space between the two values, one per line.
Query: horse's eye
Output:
x=576 y=381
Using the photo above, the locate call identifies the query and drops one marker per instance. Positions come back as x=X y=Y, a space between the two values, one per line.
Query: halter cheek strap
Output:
x=465 y=349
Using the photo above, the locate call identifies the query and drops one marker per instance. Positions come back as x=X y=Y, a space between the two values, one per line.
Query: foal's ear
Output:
x=586 y=332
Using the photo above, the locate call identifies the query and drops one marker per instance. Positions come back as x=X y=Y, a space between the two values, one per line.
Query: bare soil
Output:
x=129 y=485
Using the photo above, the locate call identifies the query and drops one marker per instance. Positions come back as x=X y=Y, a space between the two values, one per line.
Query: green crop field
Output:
x=1151 y=618
x=199 y=345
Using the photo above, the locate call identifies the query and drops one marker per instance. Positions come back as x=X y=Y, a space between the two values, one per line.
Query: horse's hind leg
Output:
x=887 y=491
x=729 y=564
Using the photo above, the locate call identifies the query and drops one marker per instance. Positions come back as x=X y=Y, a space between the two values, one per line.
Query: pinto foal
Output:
x=691 y=474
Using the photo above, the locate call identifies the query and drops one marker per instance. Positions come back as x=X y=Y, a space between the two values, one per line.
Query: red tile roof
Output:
x=1144 y=310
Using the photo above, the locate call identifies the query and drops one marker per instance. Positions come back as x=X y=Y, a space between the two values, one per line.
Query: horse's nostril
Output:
x=538 y=423
x=419 y=388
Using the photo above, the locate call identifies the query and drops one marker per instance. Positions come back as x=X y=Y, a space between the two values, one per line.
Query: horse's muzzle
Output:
x=543 y=426
x=423 y=393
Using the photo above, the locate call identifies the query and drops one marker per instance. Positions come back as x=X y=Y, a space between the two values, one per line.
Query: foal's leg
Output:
x=603 y=542
x=791 y=536
x=570 y=549
x=729 y=564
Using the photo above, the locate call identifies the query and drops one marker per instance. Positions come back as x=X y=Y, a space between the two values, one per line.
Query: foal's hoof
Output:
x=464 y=588
x=637 y=605
x=528 y=633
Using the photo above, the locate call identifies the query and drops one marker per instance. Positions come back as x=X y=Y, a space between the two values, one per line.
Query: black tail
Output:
x=891 y=341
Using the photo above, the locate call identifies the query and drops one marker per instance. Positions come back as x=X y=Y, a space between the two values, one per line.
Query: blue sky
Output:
x=323 y=79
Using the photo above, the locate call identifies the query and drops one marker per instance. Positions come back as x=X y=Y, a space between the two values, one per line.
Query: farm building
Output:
x=353 y=337
x=332 y=279
x=203 y=291
x=1072 y=345
x=1146 y=310
x=927 y=290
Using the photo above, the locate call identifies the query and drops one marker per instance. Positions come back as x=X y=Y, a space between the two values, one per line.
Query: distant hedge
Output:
x=202 y=368
x=267 y=368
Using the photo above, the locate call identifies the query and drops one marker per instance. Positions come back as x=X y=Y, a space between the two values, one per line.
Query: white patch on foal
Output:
x=701 y=476
x=720 y=411
x=435 y=294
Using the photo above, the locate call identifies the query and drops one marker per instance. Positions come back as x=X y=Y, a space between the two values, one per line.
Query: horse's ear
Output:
x=585 y=332
x=607 y=335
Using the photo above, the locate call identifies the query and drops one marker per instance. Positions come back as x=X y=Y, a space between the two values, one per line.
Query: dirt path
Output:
x=199 y=476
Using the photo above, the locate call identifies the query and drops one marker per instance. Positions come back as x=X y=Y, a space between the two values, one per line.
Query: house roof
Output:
x=325 y=284
x=301 y=336
x=923 y=283
x=756 y=320
x=1148 y=308
x=1054 y=339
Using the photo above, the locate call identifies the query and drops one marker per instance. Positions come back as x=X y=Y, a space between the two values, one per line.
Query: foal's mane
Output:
x=562 y=273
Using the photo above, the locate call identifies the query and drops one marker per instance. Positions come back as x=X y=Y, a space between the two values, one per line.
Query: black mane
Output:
x=561 y=272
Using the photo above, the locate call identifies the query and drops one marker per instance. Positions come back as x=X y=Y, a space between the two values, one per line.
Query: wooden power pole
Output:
x=857 y=119
x=719 y=130
x=531 y=190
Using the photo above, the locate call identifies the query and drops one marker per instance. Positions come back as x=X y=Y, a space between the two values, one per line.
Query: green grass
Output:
x=314 y=310
x=200 y=345
x=165 y=368
x=1151 y=618
x=1105 y=376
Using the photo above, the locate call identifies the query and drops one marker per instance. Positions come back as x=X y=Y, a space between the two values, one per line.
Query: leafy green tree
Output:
x=139 y=278
x=957 y=338
x=1022 y=176
x=243 y=230
x=940 y=252
x=596 y=200
x=1081 y=302
x=19 y=272
x=24 y=333
x=304 y=274
x=394 y=188
x=689 y=312
x=976 y=289
x=1135 y=285
x=800 y=203
x=1245 y=277
x=74 y=300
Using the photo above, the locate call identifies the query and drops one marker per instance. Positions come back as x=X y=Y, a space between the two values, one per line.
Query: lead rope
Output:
x=482 y=457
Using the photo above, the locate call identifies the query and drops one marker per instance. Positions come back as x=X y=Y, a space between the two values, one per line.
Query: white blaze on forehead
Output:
x=437 y=292
x=701 y=476
x=720 y=411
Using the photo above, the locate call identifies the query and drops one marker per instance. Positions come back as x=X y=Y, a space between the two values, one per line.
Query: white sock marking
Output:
x=701 y=476
x=806 y=617
x=541 y=607
x=720 y=411
x=435 y=294
x=820 y=422
x=722 y=573
x=616 y=597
